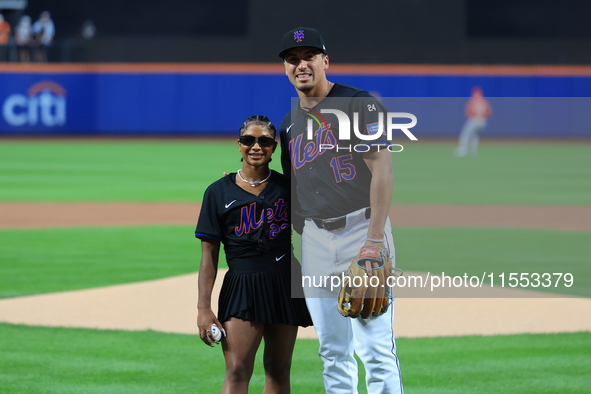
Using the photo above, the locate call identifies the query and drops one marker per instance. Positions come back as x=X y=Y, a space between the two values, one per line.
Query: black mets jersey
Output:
x=246 y=224
x=327 y=169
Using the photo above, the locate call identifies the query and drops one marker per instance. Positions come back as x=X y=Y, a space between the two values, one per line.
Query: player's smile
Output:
x=303 y=76
x=256 y=156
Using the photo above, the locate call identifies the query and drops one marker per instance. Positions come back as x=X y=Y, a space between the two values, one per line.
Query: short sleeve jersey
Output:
x=329 y=174
x=246 y=224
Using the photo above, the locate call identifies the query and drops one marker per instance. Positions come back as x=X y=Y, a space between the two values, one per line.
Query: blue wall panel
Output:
x=96 y=103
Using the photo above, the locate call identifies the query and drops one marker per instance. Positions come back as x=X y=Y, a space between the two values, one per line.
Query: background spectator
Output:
x=4 y=37
x=43 y=32
x=23 y=37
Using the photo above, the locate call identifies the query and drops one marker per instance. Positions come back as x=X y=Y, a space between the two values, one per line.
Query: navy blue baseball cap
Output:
x=302 y=37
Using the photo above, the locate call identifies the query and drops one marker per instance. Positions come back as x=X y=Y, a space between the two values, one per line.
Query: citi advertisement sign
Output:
x=43 y=105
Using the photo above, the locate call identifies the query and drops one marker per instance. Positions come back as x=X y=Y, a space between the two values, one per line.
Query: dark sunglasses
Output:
x=249 y=140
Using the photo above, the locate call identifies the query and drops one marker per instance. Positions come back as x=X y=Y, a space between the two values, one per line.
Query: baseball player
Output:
x=477 y=111
x=344 y=195
x=248 y=212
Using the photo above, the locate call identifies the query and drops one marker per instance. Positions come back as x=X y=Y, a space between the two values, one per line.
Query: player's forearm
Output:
x=380 y=202
x=380 y=194
x=205 y=288
x=207 y=274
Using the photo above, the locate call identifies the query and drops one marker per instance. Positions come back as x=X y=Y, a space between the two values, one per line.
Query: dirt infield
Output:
x=47 y=215
x=169 y=304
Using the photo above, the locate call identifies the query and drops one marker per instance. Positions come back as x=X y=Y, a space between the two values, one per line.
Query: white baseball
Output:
x=216 y=333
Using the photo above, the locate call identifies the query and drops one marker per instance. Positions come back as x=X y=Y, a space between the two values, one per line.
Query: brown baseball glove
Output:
x=362 y=295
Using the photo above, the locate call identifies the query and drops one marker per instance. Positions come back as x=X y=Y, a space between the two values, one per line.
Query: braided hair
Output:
x=260 y=120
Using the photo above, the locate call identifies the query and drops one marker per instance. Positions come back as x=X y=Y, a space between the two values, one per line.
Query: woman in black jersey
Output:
x=248 y=212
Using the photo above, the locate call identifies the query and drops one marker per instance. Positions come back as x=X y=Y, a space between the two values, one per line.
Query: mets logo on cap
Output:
x=302 y=37
x=298 y=35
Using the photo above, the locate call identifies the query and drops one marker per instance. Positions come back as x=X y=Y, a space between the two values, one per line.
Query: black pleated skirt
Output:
x=260 y=290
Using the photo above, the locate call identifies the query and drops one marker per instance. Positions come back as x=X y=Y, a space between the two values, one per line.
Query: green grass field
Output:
x=52 y=360
x=68 y=361
x=180 y=170
x=48 y=260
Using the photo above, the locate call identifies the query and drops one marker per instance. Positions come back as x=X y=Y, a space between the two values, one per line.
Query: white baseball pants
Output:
x=326 y=253
x=470 y=137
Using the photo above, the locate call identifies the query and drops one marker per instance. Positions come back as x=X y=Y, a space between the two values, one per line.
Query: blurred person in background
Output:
x=477 y=110
x=23 y=36
x=4 y=37
x=43 y=32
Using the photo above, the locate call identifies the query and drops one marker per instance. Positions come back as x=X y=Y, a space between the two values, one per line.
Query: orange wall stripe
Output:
x=277 y=68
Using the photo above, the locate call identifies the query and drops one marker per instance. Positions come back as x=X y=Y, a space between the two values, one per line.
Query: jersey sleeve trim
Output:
x=202 y=235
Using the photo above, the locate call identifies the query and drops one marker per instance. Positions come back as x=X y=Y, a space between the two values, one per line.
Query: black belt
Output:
x=335 y=224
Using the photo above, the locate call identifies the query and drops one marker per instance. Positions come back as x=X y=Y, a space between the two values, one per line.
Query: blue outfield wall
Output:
x=215 y=104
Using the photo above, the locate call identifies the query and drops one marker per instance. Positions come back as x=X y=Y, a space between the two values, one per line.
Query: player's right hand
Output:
x=205 y=319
